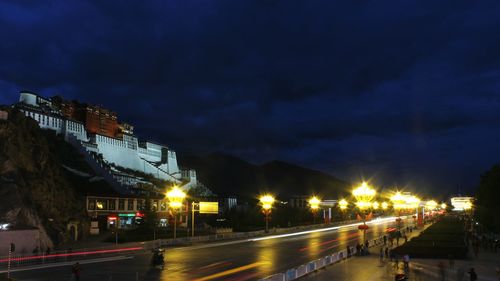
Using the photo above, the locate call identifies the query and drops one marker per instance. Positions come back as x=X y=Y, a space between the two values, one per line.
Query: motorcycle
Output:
x=158 y=261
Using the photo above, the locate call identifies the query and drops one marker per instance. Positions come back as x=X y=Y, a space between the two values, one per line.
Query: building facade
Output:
x=98 y=132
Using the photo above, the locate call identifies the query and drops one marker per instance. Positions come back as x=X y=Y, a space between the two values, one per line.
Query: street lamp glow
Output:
x=364 y=196
x=375 y=205
x=467 y=206
x=385 y=205
x=443 y=206
x=398 y=201
x=266 y=201
x=431 y=205
x=314 y=203
x=343 y=204
x=413 y=202
x=175 y=197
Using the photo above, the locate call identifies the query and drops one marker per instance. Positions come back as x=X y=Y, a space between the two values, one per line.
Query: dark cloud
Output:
x=390 y=90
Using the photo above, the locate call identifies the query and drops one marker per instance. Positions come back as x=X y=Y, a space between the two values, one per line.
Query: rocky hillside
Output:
x=229 y=175
x=37 y=188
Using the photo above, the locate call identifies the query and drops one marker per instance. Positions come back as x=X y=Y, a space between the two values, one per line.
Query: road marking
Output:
x=42 y=266
x=231 y=271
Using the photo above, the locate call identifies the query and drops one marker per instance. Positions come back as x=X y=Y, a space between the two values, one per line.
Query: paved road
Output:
x=235 y=260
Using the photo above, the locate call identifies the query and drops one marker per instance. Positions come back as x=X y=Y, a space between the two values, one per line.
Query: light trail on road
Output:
x=376 y=221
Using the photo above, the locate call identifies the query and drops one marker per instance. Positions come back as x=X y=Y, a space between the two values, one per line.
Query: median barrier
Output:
x=291 y=274
x=328 y=260
x=318 y=264
x=311 y=266
x=301 y=270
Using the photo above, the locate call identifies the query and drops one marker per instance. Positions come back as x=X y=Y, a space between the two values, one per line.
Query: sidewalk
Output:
x=368 y=268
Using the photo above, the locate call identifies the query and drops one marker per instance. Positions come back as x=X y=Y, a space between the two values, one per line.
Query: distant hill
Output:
x=228 y=175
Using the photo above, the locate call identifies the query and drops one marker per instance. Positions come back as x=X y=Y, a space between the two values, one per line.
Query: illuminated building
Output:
x=108 y=145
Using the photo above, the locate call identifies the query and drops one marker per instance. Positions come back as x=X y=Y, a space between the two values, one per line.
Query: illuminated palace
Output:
x=108 y=145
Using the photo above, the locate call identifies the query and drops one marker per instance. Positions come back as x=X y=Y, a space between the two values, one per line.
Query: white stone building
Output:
x=124 y=151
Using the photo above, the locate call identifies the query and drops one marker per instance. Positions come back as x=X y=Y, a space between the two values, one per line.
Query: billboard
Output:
x=209 y=207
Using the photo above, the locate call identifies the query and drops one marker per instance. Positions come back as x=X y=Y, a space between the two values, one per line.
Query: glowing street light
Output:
x=266 y=201
x=343 y=204
x=385 y=205
x=314 y=204
x=467 y=206
x=364 y=196
x=443 y=206
x=175 y=199
x=375 y=205
x=431 y=205
x=398 y=203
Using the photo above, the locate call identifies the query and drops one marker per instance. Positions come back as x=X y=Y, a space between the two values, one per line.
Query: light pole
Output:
x=314 y=204
x=266 y=202
x=364 y=196
x=175 y=198
x=398 y=203
x=343 y=207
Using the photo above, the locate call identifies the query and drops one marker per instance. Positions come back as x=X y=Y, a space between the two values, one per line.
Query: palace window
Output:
x=111 y=204
x=121 y=204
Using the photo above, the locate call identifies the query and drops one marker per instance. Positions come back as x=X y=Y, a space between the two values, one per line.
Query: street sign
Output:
x=209 y=207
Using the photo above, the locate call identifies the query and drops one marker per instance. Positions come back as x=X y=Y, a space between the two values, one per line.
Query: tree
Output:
x=488 y=199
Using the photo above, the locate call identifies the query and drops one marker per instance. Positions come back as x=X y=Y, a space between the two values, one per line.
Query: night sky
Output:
x=399 y=92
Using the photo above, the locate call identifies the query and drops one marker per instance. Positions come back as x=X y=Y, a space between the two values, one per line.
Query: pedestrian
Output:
x=406 y=239
x=75 y=271
x=385 y=240
x=386 y=253
x=406 y=261
x=381 y=254
x=472 y=274
x=348 y=251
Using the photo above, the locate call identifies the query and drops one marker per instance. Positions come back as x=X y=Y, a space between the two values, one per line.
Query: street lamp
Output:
x=314 y=204
x=431 y=205
x=266 y=201
x=343 y=204
x=364 y=196
x=175 y=198
x=385 y=205
x=398 y=203
x=375 y=205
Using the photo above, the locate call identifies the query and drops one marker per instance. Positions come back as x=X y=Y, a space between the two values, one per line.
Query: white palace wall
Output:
x=124 y=152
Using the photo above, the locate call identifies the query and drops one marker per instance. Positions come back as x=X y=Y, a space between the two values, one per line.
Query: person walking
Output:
x=75 y=271
x=385 y=240
x=386 y=253
x=406 y=261
x=472 y=274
